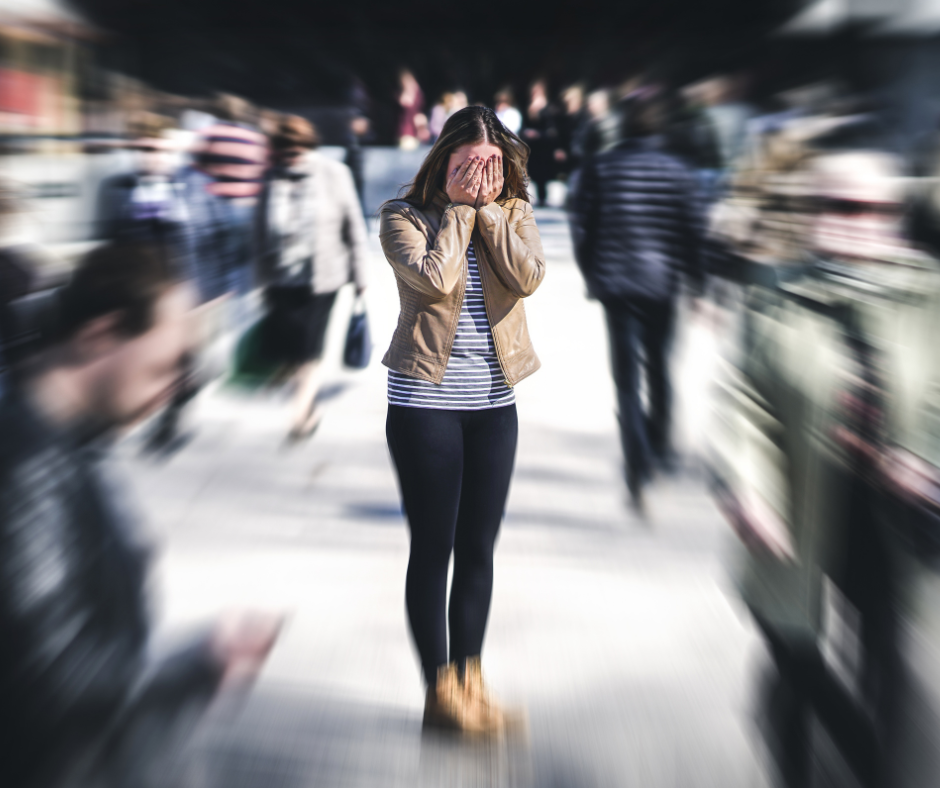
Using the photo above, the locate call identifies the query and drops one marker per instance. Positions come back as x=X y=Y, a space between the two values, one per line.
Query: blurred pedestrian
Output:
x=505 y=106
x=412 y=122
x=570 y=122
x=440 y=112
x=358 y=132
x=635 y=233
x=829 y=465
x=220 y=189
x=312 y=241
x=447 y=106
x=540 y=131
x=145 y=204
x=81 y=701
x=603 y=129
x=465 y=250
x=715 y=131
x=26 y=295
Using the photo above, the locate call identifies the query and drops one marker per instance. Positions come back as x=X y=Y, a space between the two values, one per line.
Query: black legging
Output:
x=454 y=469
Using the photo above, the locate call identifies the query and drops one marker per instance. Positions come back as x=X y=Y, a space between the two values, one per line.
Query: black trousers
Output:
x=454 y=470
x=640 y=334
x=865 y=729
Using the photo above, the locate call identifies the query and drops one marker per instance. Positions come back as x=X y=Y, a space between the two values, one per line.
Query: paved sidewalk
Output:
x=618 y=636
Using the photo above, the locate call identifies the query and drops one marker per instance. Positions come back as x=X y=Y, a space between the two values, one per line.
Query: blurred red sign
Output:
x=20 y=92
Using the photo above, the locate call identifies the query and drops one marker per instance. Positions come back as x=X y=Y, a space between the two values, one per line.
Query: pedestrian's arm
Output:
x=430 y=267
x=583 y=219
x=516 y=252
x=354 y=229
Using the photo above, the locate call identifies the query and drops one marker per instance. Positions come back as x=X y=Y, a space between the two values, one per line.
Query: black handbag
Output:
x=358 y=349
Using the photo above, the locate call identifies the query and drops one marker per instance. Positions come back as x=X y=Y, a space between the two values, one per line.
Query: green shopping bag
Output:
x=251 y=367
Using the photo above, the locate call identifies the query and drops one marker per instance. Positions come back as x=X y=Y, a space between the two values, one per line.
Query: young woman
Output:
x=466 y=251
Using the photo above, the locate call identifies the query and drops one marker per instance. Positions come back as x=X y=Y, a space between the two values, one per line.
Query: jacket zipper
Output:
x=489 y=319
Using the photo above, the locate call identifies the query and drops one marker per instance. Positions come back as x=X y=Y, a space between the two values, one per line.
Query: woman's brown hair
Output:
x=470 y=126
x=294 y=131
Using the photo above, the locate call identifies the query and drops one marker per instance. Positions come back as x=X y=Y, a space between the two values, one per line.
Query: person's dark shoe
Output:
x=637 y=502
x=668 y=463
x=638 y=505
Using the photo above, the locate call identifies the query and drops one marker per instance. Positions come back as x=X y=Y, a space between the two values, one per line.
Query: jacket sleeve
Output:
x=517 y=253
x=354 y=228
x=74 y=675
x=584 y=220
x=433 y=269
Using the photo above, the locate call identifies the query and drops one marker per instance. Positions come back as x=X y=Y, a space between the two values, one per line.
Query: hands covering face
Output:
x=476 y=182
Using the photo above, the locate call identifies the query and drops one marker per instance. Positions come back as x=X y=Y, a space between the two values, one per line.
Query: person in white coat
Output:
x=312 y=242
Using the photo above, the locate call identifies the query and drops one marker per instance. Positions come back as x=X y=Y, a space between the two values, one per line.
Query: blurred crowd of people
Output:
x=789 y=223
x=814 y=241
x=129 y=334
x=243 y=211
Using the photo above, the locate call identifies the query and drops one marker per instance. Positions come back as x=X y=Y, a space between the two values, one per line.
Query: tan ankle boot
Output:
x=446 y=705
x=496 y=718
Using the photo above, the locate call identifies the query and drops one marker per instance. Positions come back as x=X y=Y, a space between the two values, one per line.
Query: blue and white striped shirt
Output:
x=473 y=379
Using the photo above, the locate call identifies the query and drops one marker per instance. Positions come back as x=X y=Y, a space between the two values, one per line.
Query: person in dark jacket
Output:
x=634 y=227
x=540 y=131
x=81 y=702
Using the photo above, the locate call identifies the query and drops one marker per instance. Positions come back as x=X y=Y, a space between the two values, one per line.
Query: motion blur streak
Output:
x=718 y=561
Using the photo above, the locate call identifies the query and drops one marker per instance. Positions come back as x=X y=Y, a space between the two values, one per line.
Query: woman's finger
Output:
x=464 y=168
x=474 y=172
x=466 y=172
x=461 y=173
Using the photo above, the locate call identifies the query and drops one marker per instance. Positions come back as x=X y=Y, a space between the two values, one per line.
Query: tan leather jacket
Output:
x=427 y=248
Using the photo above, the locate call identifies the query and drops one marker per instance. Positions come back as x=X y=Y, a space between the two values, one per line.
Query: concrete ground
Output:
x=619 y=637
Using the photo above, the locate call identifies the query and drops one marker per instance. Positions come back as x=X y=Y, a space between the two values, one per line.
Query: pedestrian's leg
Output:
x=312 y=317
x=306 y=414
x=541 y=192
x=489 y=454
x=427 y=450
x=813 y=687
x=165 y=434
x=657 y=335
x=788 y=707
x=871 y=587
x=623 y=328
